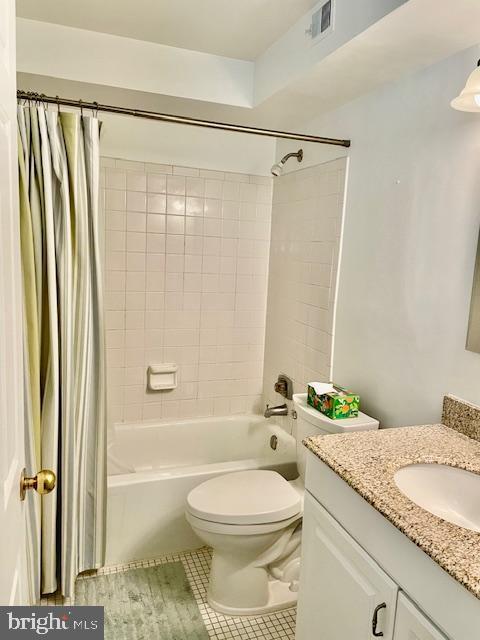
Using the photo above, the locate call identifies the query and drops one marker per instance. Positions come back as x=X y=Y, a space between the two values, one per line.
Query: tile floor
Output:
x=276 y=626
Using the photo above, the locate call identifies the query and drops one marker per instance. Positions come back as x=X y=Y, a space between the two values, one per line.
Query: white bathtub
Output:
x=152 y=468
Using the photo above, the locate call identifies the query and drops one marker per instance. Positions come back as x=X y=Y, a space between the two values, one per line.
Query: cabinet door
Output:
x=412 y=624
x=341 y=587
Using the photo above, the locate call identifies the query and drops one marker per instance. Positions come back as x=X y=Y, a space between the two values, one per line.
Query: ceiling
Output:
x=414 y=36
x=232 y=28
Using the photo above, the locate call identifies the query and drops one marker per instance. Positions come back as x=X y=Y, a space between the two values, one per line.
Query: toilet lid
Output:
x=245 y=497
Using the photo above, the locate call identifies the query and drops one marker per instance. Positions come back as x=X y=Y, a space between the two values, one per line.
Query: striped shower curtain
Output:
x=64 y=343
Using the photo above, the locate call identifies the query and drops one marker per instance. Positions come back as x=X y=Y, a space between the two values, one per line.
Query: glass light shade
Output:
x=469 y=98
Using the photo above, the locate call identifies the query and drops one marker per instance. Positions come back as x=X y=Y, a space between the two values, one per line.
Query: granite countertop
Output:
x=368 y=460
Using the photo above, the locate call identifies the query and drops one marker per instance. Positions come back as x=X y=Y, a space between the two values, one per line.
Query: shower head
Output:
x=277 y=169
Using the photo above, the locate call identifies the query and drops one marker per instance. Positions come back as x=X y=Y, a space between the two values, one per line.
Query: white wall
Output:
x=411 y=229
x=146 y=141
x=294 y=54
x=100 y=58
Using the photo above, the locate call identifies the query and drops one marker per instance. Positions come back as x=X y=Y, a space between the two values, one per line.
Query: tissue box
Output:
x=337 y=404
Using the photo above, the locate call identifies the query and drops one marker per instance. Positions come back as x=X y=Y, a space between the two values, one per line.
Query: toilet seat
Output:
x=239 y=529
x=244 y=499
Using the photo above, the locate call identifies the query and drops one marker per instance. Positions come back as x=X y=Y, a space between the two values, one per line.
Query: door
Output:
x=343 y=593
x=13 y=582
x=412 y=624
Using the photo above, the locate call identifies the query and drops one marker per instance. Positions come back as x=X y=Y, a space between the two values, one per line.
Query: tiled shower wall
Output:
x=305 y=241
x=186 y=261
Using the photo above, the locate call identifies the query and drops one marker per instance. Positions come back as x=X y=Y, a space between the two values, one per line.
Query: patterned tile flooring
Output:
x=275 y=626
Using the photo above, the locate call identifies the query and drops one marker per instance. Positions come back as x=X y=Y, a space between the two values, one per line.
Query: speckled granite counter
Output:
x=368 y=460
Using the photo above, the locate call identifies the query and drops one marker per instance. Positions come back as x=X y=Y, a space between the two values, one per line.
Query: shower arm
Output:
x=293 y=154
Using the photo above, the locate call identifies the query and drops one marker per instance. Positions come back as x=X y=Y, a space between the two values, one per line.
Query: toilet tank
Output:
x=311 y=422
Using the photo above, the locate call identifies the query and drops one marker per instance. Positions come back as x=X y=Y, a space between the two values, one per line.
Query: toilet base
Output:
x=279 y=597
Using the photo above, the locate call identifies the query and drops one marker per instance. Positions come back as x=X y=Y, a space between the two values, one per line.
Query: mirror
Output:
x=473 y=335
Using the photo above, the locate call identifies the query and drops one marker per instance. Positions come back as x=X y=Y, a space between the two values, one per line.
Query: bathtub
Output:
x=152 y=468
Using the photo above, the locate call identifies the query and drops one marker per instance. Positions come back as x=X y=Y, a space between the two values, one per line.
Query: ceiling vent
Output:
x=321 y=22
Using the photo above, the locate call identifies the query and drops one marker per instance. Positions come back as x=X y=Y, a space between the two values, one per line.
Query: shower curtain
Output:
x=64 y=343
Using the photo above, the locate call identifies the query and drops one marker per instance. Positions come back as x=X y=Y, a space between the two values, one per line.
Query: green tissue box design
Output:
x=337 y=404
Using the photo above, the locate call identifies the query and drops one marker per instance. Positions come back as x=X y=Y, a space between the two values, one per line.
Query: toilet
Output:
x=252 y=521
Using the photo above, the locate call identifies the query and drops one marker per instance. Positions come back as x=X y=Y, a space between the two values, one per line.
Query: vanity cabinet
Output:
x=351 y=557
x=412 y=624
x=344 y=594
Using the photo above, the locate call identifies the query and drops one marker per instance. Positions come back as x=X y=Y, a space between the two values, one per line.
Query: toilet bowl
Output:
x=252 y=521
x=249 y=519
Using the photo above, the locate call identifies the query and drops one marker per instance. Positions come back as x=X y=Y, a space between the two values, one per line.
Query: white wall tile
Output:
x=156 y=183
x=154 y=300
x=231 y=210
x=194 y=245
x=176 y=225
x=213 y=208
x=195 y=187
x=115 y=261
x=114 y=301
x=176 y=185
x=136 y=201
x=175 y=204
x=194 y=206
x=158 y=168
x=176 y=290
x=175 y=243
x=186 y=171
x=156 y=223
x=136 y=221
x=115 y=220
x=175 y=263
x=135 y=281
x=155 y=242
x=115 y=280
x=155 y=262
x=136 y=181
x=156 y=203
x=115 y=179
x=134 y=319
x=115 y=200
x=213 y=188
x=194 y=226
x=134 y=301
x=212 y=175
x=136 y=241
x=231 y=191
x=302 y=271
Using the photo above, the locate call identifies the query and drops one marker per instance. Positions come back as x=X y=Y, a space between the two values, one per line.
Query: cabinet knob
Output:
x=377 y=634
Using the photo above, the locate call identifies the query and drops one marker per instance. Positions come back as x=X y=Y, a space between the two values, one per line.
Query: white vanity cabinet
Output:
x=411 y=624
x=355 y=563
x=344 y=594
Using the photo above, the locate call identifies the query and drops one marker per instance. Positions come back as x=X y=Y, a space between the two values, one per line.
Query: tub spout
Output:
x=281 y=410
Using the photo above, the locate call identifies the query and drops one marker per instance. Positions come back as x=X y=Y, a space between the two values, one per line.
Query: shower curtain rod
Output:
x=165 y=117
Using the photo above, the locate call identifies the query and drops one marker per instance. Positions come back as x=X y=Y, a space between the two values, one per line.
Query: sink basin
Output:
x=448 y=492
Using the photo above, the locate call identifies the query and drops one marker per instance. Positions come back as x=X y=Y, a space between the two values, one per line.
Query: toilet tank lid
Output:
x=245 y=497
x=343 y=425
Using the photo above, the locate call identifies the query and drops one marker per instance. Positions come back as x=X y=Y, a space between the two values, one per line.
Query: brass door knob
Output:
x=44 y=482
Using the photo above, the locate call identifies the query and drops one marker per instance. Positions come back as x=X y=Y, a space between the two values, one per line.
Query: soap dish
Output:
x=162 y=377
